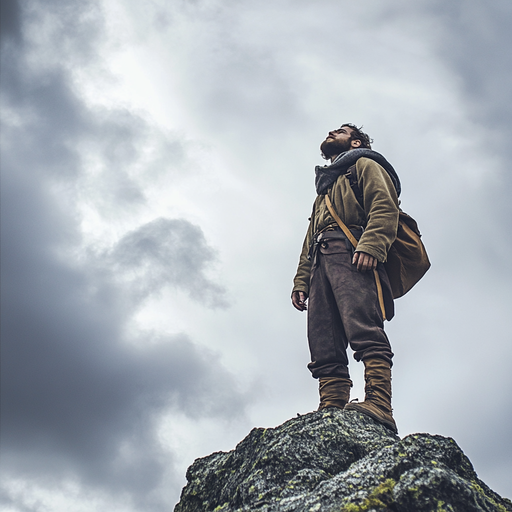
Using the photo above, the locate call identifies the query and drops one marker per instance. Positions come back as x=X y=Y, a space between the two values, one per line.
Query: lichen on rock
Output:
x=340 y=461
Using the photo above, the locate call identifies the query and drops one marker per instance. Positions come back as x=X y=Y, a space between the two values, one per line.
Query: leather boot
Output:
x=334 y=392
x=377 y=402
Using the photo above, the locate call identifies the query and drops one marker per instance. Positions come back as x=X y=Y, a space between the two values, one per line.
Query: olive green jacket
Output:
x=379 y=216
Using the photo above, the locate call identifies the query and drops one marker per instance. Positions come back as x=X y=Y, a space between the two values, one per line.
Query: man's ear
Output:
x=355 y=143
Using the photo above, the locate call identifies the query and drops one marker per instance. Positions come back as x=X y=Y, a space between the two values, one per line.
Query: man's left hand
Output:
x=364 y=261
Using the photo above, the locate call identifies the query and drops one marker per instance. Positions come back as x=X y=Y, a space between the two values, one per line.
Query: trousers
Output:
x=343 y=310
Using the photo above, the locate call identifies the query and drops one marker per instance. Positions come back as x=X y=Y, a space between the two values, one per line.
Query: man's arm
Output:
x=381 y=209
x=302 y=276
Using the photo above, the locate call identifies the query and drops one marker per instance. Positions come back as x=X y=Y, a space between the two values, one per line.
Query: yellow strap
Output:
x=379 y=293
x=340 y=223
x=353 y=241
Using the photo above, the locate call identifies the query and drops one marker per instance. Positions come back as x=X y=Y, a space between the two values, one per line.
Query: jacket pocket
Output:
x=332 y=246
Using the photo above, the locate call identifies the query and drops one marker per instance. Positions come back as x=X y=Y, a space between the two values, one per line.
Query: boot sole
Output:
x=376 y=417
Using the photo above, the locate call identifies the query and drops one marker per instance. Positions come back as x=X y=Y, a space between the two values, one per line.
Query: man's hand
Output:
x=299 y=300
x=364 y=261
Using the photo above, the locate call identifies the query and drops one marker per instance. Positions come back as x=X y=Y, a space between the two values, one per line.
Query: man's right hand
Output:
x=299 y=300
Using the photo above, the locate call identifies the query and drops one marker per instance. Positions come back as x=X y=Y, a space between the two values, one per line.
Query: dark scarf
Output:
x=328 y=174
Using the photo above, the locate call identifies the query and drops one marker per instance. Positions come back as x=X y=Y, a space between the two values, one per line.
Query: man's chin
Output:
x=332 y=147
x=327 y=148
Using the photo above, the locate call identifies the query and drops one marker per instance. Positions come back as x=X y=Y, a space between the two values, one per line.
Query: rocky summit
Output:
x=340 y=461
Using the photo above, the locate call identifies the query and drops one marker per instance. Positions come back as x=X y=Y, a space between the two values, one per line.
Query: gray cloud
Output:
x=80 y=398
x=73 y=392
x=167 y=251
x=9 y=20
x=475 y=43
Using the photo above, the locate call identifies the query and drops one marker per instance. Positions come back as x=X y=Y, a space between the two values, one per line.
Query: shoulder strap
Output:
x=340 y=223
x=351 y=175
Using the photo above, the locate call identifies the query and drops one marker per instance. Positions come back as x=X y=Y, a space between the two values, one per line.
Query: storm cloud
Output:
x=80 y=396
x=163 y=252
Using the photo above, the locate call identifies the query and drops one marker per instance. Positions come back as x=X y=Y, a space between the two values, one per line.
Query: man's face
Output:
x=338 y=141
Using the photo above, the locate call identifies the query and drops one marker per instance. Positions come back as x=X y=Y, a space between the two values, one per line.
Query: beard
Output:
x=333 y=147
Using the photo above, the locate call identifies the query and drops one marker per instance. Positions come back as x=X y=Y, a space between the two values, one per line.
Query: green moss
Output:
x=415 y=491
x=263 y=433
x=439 y=507
x=374 y=498
x=478 y=489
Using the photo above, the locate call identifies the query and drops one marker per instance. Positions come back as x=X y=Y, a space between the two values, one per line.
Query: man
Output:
x=346 y=291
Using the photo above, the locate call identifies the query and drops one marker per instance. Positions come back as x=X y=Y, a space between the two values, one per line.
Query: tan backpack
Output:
x=407 y=259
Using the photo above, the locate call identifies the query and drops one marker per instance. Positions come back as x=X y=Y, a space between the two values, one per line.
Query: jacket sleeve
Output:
x=380 y=203
x=301 y=280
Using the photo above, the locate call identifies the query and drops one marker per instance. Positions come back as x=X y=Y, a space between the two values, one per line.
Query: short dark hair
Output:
x=358 y=134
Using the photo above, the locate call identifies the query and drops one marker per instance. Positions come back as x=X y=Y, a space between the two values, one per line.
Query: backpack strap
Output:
x=340 y=223
x=351 y=175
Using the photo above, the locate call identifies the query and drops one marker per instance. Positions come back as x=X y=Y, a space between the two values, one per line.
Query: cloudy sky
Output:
x=157 y=176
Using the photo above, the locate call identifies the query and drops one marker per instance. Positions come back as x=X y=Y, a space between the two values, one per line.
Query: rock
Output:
x=340 y=461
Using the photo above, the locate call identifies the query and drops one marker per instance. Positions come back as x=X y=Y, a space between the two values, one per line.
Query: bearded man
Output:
x=346 y=291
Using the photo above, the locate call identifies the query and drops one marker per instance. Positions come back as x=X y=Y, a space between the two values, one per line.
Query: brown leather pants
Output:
x=343 y=310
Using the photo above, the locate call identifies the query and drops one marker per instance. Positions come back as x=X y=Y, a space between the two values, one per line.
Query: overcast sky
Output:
x=157 y=177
